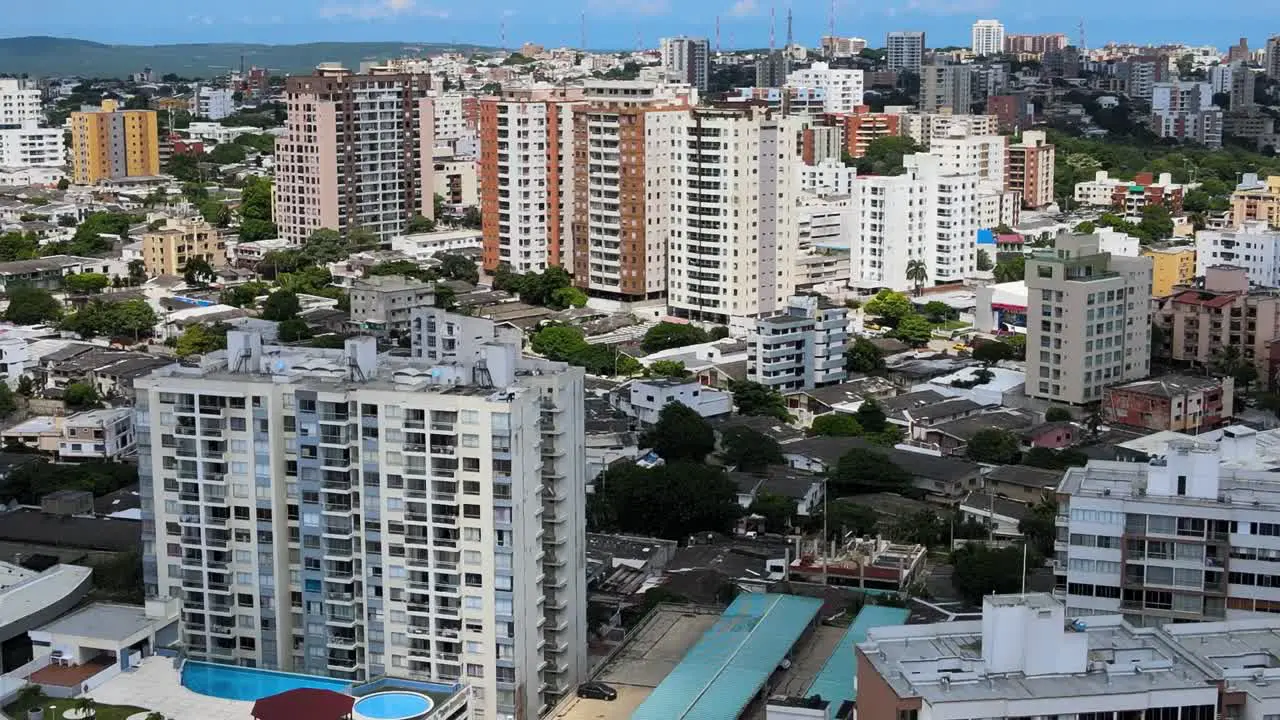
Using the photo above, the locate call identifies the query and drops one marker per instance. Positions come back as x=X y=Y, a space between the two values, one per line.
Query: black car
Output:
x=597 y=691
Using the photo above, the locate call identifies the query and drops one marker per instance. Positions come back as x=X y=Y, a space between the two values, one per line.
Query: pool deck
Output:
x=157 y=686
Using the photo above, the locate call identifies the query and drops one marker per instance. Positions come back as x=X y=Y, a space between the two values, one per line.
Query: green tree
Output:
x=982 y=570
x=31 y=306
x=281 y=305
x=216 y=213
x=8 y=401
x=244 y=295
x=63 y=183
x=846 y=515
x=1040 y=527
x=86 y=283
x=994 y=446
x=458 y=267
x=1057 y=413
x=199 y=339
x=198 y=272
x=558 y=342
x=19 y=246
x=718 y=332
x=80 y=396
x=671 y=501
x=917 y=274
x=420 y=224
x=1156 y=223
x=993 y=351
x=256 y=219
x=884 y=156
x=871 y=417
x=680 y=434
x=889 y=306
x=914 y=330
x=1086 y=228
x=227 y=154
x=748 y=449
x=567 y=297
x=863 y=357
x=1229 y=361
x=137 y=272
x=407 y=268
x=866 y=470
x=1012 y=269
x=667 y=368
x=752 y=398
x=836 y=424
x=924 y=527
x=132 y=317
x=777 y=511
x=936 y=311
x=984 y=260
x=293 y=330
x=667 y=335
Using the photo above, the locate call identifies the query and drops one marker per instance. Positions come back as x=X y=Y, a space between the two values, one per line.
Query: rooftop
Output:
x=965 y=428
x=20 y=600
x=102 y=621
x=838 y=679
x=33 y=527
x=1169 y=386
x=1025 y=475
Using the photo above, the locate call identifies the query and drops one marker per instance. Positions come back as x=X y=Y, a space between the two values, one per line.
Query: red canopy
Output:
x=309 y=703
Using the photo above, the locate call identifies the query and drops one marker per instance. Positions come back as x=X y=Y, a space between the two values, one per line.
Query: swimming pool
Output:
x=241 y=683
x=393 y=705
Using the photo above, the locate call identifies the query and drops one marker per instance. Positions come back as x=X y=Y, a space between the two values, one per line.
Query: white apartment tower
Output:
x=687 y=59
x=843 y=87
x=904 y=50
x=23 y=143
x=1088 y=320
x=734 y=233
x=527 y=179
x=1253 y=247
x=988 y=37
x=339 y=513
x=19 y=103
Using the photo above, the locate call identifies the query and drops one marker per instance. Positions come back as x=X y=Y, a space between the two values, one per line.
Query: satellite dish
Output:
x=279 y=366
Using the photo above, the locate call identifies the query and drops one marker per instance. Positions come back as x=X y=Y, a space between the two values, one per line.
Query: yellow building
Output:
x=1254 y=200
x=1170 y=267
x=113 y=143
x=166 y=251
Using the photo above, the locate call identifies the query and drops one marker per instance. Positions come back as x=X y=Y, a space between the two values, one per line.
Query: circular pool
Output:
x=395 y=705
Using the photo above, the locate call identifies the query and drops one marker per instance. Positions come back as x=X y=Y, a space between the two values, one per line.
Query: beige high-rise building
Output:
x=1088 y=320
x=357 y=152
x=113 y=143
x=627 y=140
x=167 y=250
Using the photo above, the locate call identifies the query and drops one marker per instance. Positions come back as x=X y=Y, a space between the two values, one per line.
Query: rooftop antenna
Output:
x=1084 y=46
x=584 y=31
x=502 y=33
x=717 y=34
x=639 y=42
x=831 y=29
x=789 y=38
x=773 y=17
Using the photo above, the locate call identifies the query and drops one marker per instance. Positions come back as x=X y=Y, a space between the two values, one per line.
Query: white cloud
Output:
x=744 y=8
x=380 y=10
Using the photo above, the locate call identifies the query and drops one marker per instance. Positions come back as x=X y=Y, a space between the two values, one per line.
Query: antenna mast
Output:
x=773 y=18
x=584 y=31
x=717 y=34
x=831 y=30
x=1084 y=46
x=789 y=37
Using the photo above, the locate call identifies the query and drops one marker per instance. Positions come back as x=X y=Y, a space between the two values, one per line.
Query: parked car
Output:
x=597 y=691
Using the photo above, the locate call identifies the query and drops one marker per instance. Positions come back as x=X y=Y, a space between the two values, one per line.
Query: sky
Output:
x=625 y=24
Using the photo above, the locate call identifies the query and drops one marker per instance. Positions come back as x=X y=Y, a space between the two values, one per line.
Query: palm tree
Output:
x=918 y=274
x=87 y=707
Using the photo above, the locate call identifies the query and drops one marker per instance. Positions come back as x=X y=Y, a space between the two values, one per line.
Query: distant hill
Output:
x=44 y=56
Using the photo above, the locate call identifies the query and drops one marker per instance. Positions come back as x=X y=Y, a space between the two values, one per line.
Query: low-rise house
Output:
x=943 y=480
x=953 y=436
x=48 y=272
x=872 y=563
x=645 y=399
x=999 y=514
x=917 y=419
x=1022 y=483
x=105 y=434
x=803 y=488
x=386 y=304
x=1182 y=403
x=1053 y=435
x=847 y=397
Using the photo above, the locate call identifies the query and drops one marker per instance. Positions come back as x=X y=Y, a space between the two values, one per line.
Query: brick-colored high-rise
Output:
x=526 y=178
x=356 y=153
x=1029 y=169
x=863 y=127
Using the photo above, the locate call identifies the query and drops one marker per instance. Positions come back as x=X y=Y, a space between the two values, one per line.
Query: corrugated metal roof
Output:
x=838 y=679
x=719 y=676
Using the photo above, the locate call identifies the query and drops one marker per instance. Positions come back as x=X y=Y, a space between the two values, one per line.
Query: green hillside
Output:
x=44 y=56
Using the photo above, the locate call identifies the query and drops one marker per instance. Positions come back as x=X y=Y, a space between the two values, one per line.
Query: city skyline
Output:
x=613 y=24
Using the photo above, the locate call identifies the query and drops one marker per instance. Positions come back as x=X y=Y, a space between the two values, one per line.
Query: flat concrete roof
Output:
x=102 y=621
x=642 y=663
x=33 y=594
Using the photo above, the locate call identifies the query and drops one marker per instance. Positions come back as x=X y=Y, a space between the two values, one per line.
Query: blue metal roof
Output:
x=719 y=676
x=838 y=679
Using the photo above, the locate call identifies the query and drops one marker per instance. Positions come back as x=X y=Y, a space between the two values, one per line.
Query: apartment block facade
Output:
x=1256 y=199
x=386 y=304
x=801 y=348
x=945 y=88
x=905 y=50
x=987 y=37
x=344 y=514
x=1189 y=537
x=110 y=143
x=527 y=179
x=167 y=250
x=843 y=87
x=357 y=152
x=862 y=127
x=924 y=127
x=20 y=103
x=734 y=233
x=1029 y=169
x=1221 y=312
x=1184 y=110
x=31 y=146
x=627 y=147
x=1018 y=44
x=1170 y=267
x=1253 y=246
x=1088 y=320
x=687 y=59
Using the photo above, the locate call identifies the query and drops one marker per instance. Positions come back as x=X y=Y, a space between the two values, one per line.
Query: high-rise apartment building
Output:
x=966 y=151
x=862 y=127
x=112 y=143
x=801 y=348
x=356 y=152
x=842 y=47
x=1239 y=52
x=1029 y=169
x=772 y=69
x=1189 y=536
x=1184 y=110
x=1271 y=64
x=456 y=124
x=843 y=87
x=527 y=179
x=734 y=232
x=687 y=59
x=945 y=88
x=904 y=50
x=1034 y=44
x=924 y=127
x=1088 y=320
x=988 y=37
x=212 y=103
x=1256 y=199
x=1137 y=76
x=19 y=103
x=1243 y=82
x=31 y=146
x=339 y=513
x=627 y=145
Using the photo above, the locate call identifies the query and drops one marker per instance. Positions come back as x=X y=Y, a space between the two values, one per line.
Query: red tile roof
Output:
x=309 y=703
x=1195 y=297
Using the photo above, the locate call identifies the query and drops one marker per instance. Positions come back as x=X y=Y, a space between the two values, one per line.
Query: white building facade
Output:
x=843 y=87
x=688 y=59
x=1253 y=246
x=19 y=102
x=344 y=514
x=214 y=103
x=31 y=146
x=988 y=37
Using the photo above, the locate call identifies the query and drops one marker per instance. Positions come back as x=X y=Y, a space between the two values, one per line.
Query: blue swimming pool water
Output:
x=239 y=683
x=393 y=706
